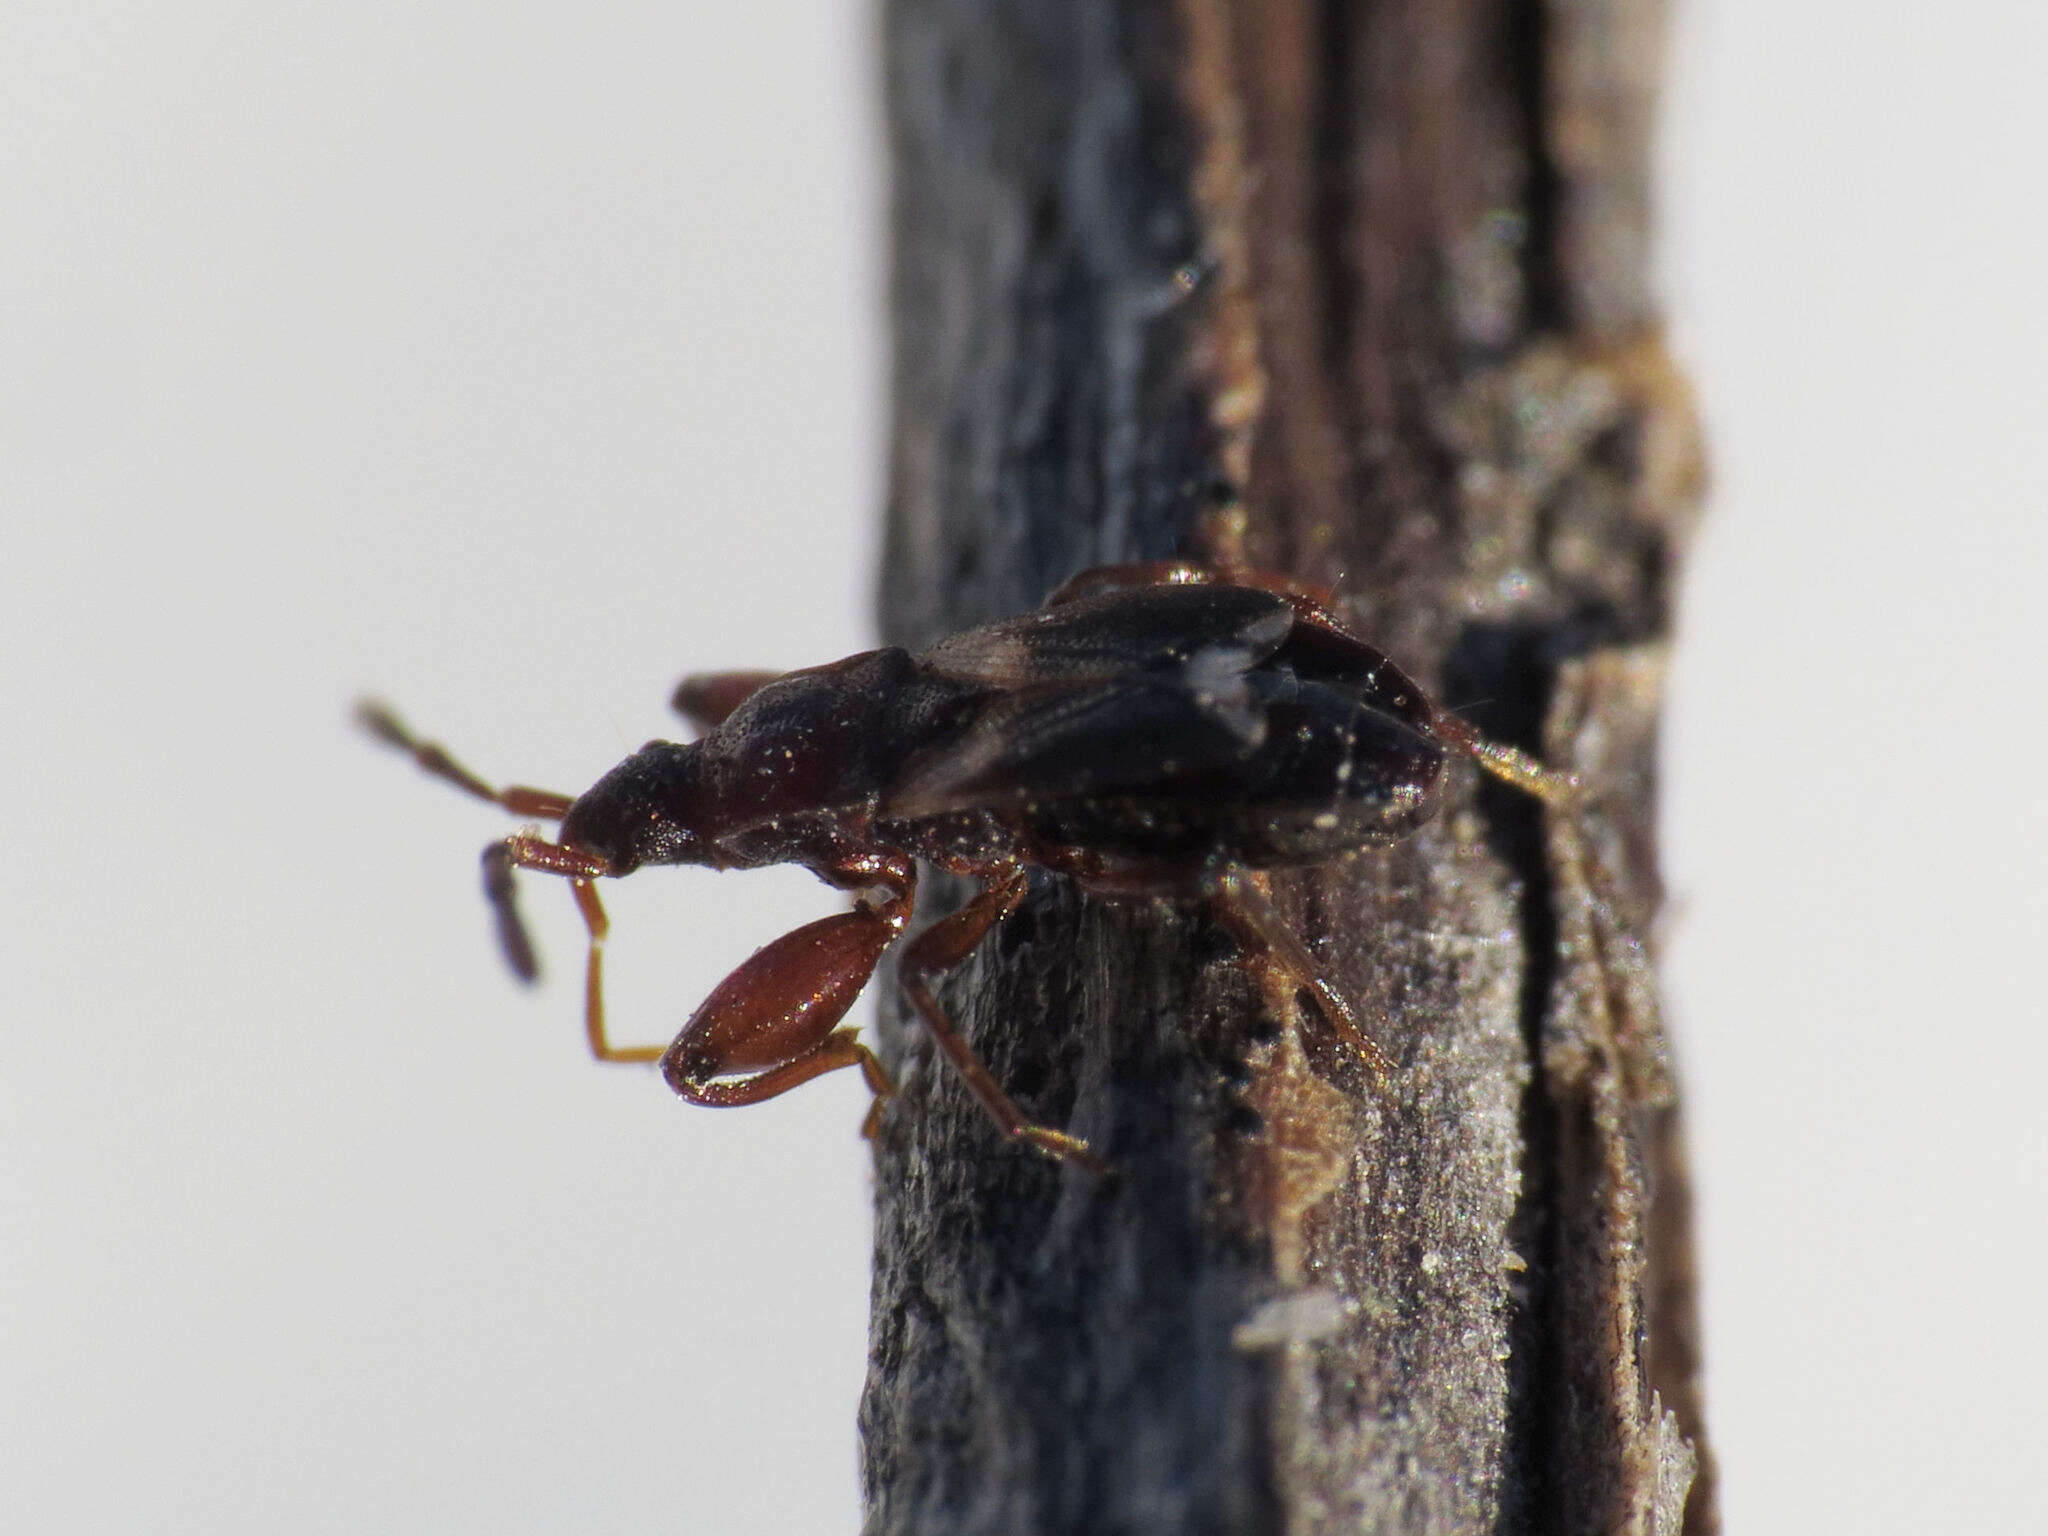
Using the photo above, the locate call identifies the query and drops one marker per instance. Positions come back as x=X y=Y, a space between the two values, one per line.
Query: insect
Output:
x=1154 y=732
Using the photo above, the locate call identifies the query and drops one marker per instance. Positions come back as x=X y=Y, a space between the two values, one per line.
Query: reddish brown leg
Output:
x=520 y=799
x=600 y=928
x=706 y=698
x=1264 y=935
x=839 y=1048
x=937 y=950
x=1551 y=786
x=773 y=1023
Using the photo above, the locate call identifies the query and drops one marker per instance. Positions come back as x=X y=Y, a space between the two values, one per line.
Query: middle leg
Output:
x=937 y=950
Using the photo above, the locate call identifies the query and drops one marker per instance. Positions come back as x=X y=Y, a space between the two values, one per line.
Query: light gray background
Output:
x=513 y=366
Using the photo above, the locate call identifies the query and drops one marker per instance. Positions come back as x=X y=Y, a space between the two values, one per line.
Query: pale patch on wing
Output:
x=1099 y=640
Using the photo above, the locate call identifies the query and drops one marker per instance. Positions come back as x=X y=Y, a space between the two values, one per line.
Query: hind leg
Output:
x=1264 y=936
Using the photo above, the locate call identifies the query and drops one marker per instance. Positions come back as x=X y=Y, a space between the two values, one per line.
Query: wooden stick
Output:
x=1355 y=292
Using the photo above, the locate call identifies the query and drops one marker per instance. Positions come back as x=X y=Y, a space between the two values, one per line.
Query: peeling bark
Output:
x=1354 y=291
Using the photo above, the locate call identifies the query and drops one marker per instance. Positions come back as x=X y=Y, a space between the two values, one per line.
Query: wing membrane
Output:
x=1127 y=736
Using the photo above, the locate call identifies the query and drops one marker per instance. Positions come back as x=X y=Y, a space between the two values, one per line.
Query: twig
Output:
x=1354 y=291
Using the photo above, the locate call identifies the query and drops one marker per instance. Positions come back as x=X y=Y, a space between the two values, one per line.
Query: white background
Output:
x=514 y=367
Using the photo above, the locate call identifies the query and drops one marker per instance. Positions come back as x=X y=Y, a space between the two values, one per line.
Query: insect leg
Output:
x=1511 y=765
x=520 y=799
x=937 y=950
x=773 y=1023
x=1258 y=926
x=706 y=698
x=600 y=928
x=841 y=1048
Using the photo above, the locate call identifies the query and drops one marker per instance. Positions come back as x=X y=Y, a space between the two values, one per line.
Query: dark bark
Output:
x=1357 y=292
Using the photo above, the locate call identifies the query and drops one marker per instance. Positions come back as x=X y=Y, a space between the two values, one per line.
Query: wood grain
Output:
x=1355 y=291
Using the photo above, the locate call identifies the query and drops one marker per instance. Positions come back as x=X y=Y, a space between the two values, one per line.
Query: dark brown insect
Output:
x=1153 y=732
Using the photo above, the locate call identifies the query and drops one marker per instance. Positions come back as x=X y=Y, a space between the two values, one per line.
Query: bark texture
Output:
x=1355 y=291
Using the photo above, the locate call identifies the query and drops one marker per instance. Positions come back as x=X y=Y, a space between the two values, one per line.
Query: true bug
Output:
x=1153 y=732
